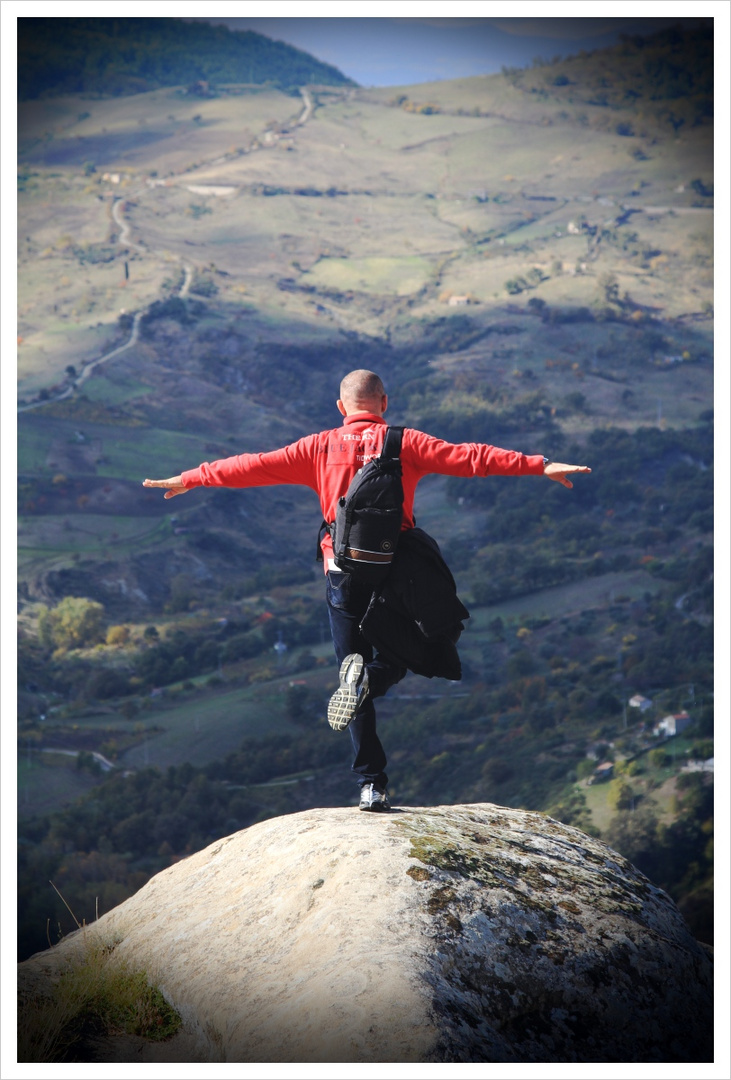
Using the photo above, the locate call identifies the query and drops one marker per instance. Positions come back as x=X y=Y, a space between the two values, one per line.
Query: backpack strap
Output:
x=392 y=443
x=325 y=527
x=391 y=449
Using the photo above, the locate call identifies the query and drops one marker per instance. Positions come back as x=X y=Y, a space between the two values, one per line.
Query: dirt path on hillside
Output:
x=124 y=229
x=88 y=368
x=124 y=240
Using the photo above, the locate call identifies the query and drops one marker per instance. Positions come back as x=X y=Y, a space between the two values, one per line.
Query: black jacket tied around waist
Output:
x=416 y=618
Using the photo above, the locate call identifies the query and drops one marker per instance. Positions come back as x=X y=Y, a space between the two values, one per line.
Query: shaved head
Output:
x=361 y=390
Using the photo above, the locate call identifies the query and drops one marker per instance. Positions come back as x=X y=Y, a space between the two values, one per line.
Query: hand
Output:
x=173 y=486
x=555 y=471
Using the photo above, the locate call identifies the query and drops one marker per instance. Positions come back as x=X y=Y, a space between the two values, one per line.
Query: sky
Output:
x=400 y=51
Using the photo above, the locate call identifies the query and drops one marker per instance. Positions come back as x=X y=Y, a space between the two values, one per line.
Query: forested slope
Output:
x=120 y=56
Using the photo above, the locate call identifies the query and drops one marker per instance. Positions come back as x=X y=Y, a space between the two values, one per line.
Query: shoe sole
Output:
x=344 y=703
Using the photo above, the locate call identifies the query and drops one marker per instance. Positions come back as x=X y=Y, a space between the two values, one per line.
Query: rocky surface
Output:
x=457 y=933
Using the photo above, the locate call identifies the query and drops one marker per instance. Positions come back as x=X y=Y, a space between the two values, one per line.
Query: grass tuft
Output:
x=97 y=995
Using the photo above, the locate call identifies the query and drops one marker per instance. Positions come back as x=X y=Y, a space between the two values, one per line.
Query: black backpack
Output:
x=368 y=518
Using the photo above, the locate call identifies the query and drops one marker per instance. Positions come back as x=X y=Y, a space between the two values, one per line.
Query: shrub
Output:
x=74 y=622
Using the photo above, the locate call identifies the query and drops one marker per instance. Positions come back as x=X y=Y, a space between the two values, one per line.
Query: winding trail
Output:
x=185 y=287
x=124 y=229
x=124 y=241
x=88 y=368
x=307 y=111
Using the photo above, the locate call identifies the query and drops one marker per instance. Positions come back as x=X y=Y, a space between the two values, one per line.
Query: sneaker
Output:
x=351 y=693
x=373 y=797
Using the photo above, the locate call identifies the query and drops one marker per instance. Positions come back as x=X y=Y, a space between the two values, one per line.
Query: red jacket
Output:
x=328 y=461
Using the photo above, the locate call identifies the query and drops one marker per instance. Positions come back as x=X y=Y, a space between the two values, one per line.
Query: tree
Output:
x=609 y=287
x=74 y=622
x=620 y=795
x=105 y=683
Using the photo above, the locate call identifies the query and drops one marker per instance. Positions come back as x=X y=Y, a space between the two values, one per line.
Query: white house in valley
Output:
x=672 y=724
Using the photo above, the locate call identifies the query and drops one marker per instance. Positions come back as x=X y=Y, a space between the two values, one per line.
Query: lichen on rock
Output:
x=564 y=947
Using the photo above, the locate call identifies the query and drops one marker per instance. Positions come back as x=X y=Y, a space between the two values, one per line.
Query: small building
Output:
x=602 y=772
x=672 y=724
x=640 y=702
x=458 y=301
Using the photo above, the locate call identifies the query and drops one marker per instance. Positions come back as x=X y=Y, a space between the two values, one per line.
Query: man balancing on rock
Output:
x=381 y=626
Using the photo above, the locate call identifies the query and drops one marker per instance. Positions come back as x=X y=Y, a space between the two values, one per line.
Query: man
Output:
x=327 y=462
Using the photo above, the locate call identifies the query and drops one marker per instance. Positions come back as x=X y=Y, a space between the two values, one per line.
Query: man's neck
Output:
x=370 y=417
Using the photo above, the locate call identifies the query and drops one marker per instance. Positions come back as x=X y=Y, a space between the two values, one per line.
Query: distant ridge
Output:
x=116 y=57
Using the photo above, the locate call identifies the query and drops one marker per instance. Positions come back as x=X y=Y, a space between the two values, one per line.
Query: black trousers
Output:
x=347 y=601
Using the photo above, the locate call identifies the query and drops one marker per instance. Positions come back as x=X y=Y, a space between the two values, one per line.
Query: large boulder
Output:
x=456 y=933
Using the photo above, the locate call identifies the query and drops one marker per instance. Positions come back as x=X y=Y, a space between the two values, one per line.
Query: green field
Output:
x=376 y=275
x=49 y=535
x=119 y=450
x=114 y=392
x=201 y=728
x=47 y=783
x=209 y=727
x=595 y=592
x=658 y=800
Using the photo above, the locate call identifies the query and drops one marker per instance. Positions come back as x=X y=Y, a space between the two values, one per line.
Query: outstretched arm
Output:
x=558 y=472
x=173 y=486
